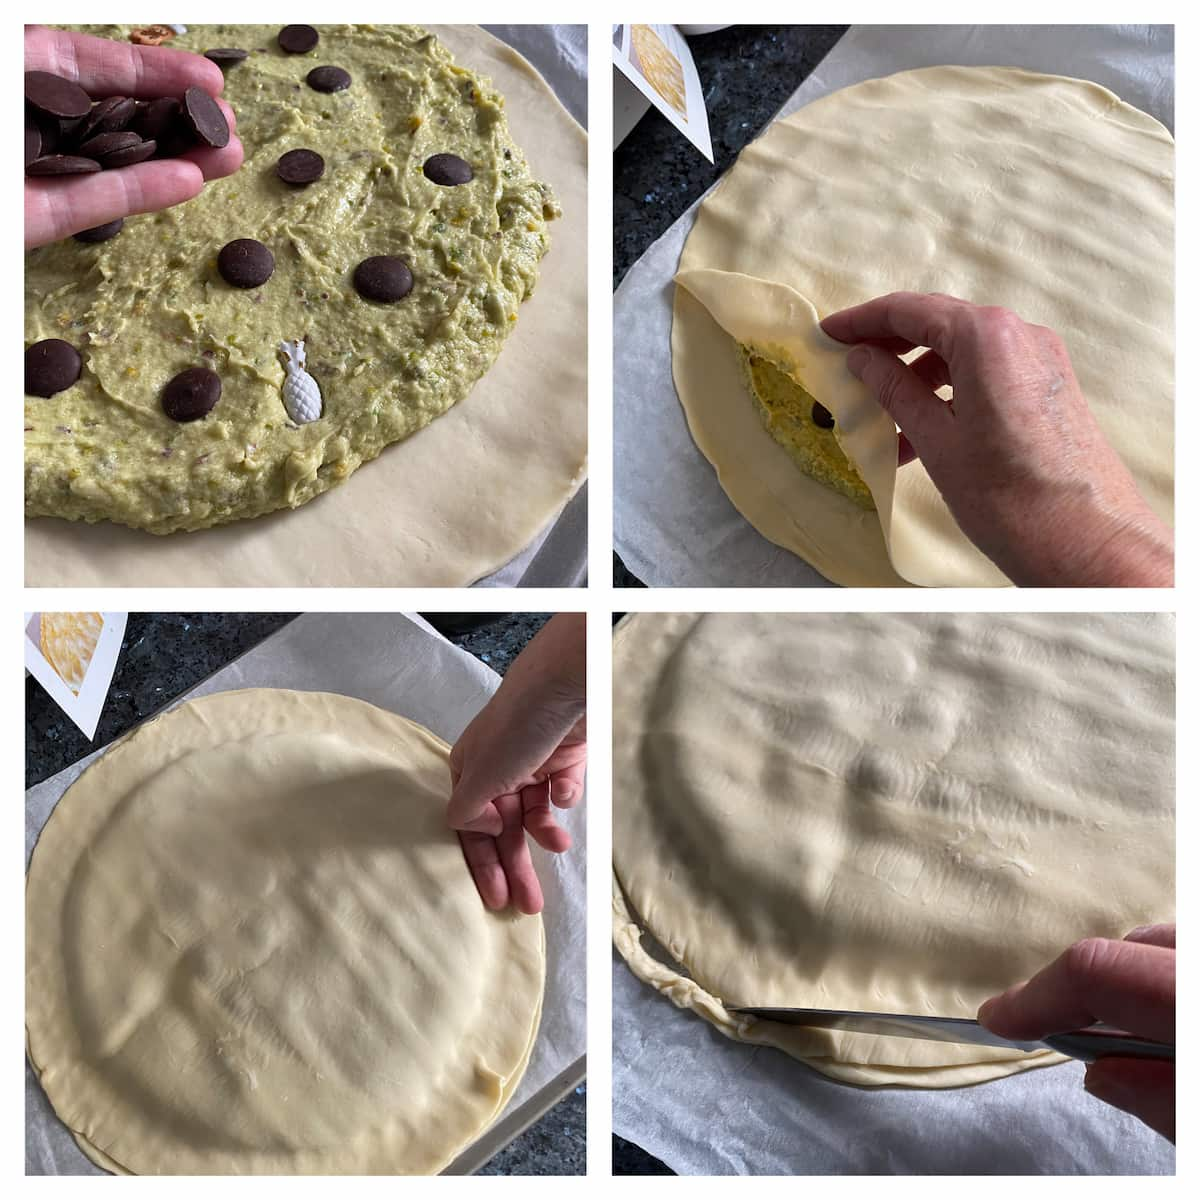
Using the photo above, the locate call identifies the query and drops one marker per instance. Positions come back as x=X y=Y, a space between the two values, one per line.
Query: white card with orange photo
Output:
x=656 y=60
x=73 y=656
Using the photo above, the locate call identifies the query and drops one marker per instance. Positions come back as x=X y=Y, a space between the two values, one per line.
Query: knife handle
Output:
x=1088 y=1047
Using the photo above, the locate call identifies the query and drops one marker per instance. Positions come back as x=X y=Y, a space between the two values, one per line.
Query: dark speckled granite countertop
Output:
x=162 y=656
x=165 y=654
x=748 y=72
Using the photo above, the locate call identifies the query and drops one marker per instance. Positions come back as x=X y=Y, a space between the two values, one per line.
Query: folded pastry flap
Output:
x=923 y=541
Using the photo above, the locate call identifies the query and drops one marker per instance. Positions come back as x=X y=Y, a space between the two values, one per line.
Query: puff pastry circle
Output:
x=253 y=947
x=1045 y=195
x=899 y=813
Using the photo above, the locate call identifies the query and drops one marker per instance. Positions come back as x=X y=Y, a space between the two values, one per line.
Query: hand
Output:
x=525 y=752
x=57 y=208
x=1129 y=984
x=1016 y=454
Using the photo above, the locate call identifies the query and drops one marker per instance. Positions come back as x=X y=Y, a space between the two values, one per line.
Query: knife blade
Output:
x=1096 y=1041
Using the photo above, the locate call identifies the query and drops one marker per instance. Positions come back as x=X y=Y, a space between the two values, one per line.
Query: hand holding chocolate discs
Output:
x=110 y=132
x=93 y=107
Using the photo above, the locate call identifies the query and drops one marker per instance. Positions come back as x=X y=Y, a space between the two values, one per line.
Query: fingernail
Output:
x=561 y=792
x=1140 y=931
x=857 y=360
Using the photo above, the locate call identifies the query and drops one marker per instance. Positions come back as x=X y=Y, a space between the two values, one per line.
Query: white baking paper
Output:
x=708 y=1106
x=402 y=664
x=560 y=54
x=672 y=524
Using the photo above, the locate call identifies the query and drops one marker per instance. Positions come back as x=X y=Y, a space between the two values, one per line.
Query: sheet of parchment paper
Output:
x=672 y=524
x=402 y=664
x=708 y=1106
x=258 y=552
x=558 y=556
x=560 y=54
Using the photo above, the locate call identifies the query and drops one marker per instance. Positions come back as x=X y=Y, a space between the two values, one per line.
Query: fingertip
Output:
x=156 y=185
x=858 y=360
x=210 y=77
x=1153 y=935
x=492 y=886
x=184 y=171
x=186 y=177
x=1001 y=1015
x=563 y=793
x=833 y=326
x=217 y=164
x=195 y=180
x=552 y=838
x=992 y=1012
x=230 y=115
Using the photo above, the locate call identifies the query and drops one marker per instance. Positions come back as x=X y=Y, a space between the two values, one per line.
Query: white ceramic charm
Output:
x=301 y=395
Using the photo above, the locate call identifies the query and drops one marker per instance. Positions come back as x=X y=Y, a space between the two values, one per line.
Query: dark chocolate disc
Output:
x=105 y=143
x=328 y=79
x=448 y=170
x=109 y=116
x=62 y=164
x=56 y=96
x=51 y=366
x=49 y=128
x=67 y=131
x=120 y=110
x=300 y=166
x=138 y=152
x=192 y=394
x=33 y=137
x=153 y=122
x=297 y=39
x=385 y=278
x=101 y=233
x=178 y=139
x=245 y=263
x=204 y=118
x=226 y=56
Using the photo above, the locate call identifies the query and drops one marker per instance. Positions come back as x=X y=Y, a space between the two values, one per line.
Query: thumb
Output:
x=919 y=412
x=473 y=811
